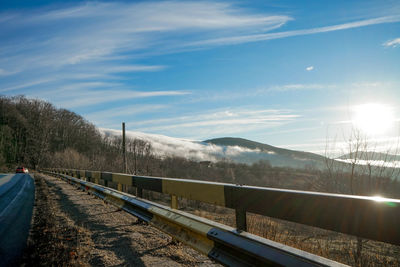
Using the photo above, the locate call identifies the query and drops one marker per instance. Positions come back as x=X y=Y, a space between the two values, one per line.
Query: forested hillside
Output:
x=32 y=131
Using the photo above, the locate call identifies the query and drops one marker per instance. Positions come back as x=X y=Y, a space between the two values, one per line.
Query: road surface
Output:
x=16 y=205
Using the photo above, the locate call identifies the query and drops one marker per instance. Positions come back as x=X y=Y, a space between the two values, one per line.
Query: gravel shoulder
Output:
x=72 y=228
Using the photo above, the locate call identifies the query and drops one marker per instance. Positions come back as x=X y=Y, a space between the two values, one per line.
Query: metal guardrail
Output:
x=222 y=243
x=372 y=218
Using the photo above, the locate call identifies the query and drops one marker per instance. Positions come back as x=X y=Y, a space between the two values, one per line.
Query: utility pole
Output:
x=124 y=146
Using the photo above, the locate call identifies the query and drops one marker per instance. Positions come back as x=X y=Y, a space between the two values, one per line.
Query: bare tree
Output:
x=139 y=155
x=364 y=171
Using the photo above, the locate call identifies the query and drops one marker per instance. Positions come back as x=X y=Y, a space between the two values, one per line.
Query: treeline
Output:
x=35 y=133
x=32 y=130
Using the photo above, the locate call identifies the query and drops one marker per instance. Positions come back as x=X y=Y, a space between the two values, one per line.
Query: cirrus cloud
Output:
x=80 y=54
x=392 y=43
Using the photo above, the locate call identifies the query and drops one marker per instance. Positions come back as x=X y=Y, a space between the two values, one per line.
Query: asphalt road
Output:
x=17 y=194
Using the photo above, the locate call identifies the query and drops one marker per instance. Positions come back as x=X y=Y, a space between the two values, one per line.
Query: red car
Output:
x=21 y=170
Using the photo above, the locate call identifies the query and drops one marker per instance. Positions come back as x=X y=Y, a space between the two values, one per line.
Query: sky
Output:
x=294 y=74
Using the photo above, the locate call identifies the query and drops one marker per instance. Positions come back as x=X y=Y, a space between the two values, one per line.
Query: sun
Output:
x=373 y=118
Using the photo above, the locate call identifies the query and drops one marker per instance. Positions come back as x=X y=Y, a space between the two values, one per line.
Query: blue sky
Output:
x=286 y=73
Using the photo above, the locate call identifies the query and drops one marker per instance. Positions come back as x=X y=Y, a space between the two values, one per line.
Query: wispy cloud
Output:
x=97 y=39
x=84 y=46
x=76 y=98
x=259 y=91
x=112 y=116
x=32 y=83
x=80 y=55
x=6 y=73
x=310 y=68
x=134 y=68
x=229 y=121
x=392 y=43
x=97 y=31
x=300 y=87
x=285 y=34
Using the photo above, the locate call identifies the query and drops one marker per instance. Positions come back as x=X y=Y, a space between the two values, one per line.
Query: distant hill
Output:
x=234 y=141
x=371 y=156
x=275 y=155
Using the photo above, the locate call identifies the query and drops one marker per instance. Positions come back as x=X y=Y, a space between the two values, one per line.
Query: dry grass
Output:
x=54 y=239
x=328 y=244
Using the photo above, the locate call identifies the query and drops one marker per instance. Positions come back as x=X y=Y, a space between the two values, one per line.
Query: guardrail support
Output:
x=139 y=192
x=174 y=202
x=241 y=224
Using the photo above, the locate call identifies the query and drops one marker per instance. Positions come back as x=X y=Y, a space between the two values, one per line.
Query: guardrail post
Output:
x=139 y=192
x=240 y=214
x=174 y=202
x=119 y=187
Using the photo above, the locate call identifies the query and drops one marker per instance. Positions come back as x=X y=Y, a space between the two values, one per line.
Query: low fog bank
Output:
x=375 y=163
x=165 y=146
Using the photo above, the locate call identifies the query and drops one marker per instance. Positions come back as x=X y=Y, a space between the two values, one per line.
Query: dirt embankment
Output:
x=72 y=228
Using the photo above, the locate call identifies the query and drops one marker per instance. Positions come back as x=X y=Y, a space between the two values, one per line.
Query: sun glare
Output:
x=378 y=198
x=373 y=118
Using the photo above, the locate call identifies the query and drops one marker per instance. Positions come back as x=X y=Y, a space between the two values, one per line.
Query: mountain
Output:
x=234 y=141
x=275 y=155
x=237 y=150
